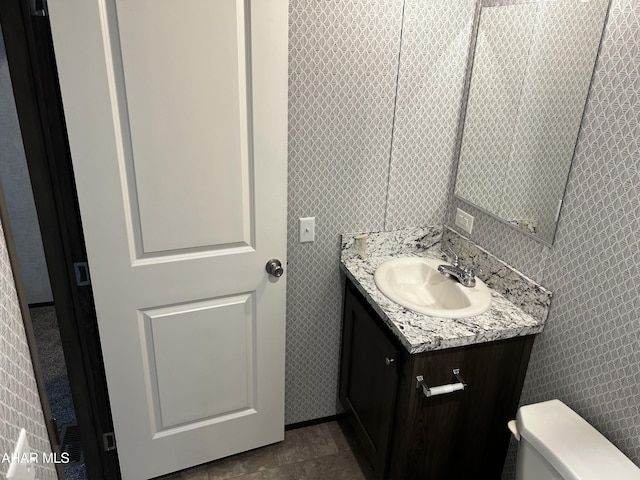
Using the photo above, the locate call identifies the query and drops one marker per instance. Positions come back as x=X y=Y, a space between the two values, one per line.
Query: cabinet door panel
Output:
x=368 y=383
x=463 y=434
x=430 y=449
x=495 y=374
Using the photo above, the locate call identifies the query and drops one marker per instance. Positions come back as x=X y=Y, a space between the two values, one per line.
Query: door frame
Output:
x=32 y=67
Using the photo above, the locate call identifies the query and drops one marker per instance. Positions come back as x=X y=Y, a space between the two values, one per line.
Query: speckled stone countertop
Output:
x=421 y=333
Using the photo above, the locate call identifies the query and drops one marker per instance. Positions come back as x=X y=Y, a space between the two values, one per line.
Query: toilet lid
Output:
x=572 y=446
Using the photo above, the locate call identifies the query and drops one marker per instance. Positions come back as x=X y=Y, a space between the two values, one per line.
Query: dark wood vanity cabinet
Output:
x=406 y=435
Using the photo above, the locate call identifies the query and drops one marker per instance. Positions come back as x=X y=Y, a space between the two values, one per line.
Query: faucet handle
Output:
x=469 y=271
x=452 y=256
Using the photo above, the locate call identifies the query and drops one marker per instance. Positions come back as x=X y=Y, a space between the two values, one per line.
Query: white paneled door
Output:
x=176 y=114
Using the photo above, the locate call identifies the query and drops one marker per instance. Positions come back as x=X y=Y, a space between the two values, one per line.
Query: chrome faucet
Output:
x=464 y=275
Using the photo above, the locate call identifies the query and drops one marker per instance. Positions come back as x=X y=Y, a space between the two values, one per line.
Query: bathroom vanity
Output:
x=386 y=349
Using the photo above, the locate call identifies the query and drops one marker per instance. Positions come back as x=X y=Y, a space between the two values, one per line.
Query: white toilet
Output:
x=557 y=444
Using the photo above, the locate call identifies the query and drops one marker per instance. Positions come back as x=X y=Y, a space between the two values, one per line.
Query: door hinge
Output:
x=39 y=8
x=81 y=270
x=109 y=441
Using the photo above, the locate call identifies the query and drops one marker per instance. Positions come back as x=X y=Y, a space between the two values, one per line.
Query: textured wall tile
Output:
x=19 y=400
x=343 y=59
x=435 y=42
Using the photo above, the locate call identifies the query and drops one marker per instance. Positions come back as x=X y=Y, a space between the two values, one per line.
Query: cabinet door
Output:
x=462 y=434
x=368 y=379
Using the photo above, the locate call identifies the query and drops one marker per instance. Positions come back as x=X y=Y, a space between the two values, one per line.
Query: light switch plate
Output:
x=307 y=229
x=464 y=220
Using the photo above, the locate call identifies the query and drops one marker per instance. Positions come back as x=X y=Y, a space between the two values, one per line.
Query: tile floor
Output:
x=318 y=452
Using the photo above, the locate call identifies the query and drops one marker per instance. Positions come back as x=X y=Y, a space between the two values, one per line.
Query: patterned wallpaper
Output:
x=17 y=190
x=343 y=60
x=19 y=401
x=343 y=75
x=589 y=354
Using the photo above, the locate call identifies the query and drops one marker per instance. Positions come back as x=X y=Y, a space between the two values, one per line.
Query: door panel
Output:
x=176 y=114
x=184 y=103
x=214 y=375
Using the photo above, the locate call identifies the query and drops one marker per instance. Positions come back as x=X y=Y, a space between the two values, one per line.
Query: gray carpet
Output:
x=54 y=370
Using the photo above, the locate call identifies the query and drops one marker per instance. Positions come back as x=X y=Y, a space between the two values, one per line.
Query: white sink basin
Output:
x=416 y=284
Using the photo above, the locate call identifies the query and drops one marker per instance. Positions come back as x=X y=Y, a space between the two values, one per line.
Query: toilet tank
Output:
x=557 y=444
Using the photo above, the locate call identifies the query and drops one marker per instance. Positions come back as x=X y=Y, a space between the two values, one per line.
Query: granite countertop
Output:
x=420 y=333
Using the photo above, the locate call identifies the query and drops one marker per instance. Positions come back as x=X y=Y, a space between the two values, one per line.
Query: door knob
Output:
x=274 y=267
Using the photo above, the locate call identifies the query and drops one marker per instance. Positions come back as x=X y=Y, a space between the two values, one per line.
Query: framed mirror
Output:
x=530 y=75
